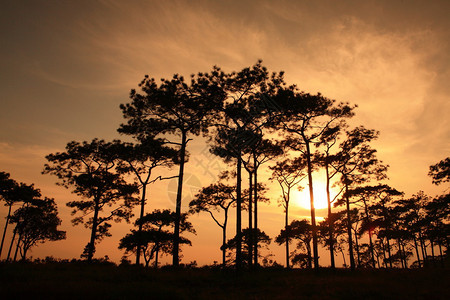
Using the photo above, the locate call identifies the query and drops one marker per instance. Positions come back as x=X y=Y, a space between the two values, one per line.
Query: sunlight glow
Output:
x=320 y=196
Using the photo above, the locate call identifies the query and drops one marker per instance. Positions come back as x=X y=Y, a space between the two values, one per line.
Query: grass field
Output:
x=80 y=281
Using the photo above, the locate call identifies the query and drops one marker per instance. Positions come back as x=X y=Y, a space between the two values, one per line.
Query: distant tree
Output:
x=365 y=196
x=156 y=235
x=334 y=237
x=412 y=213
x=288 y=173
x=365 y=256
x=440 y=172
x=214 y=198
x=173 y=107
x=261 y=152
x=304 y=118
x=263 y=241
x=436 y=223
x=228 y=144
x=239 y=135
x=437 y=219
x=327 y=141
x=300 y=231
x=250 y=168
x=7 y=188
x=356 y=162
x=88 y=169
x=37 y=221
x=401 y=233
x=140 y=160
x=357 y=220
x=13 y=193
x=439 y=208
x=384 y=216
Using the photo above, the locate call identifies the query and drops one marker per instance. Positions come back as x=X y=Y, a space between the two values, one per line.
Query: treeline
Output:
x=251 y=119
x=35 y=221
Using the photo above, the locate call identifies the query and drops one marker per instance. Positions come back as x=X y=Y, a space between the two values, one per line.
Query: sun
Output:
x=301 y=198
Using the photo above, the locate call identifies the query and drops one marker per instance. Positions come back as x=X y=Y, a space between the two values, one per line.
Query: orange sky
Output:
x=65 y=66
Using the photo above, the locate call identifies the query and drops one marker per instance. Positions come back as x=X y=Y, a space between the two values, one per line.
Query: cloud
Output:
x=113 y=51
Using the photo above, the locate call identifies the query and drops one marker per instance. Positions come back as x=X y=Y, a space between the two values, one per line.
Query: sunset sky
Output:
x=65 y=66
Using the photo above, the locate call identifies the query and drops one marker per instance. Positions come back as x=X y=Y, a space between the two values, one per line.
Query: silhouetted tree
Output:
x=304 y=118
x=37 y=221
x=439 y=207
x=336 y=237
x=265 y=152
x=440 y=172
x=436 y=222
x=240 y=131
x=260 y=151
x=228 y=145
x=7 y=186
x=401 y=233
x=438 y=210
x=384 y=216
x=365 y=196
x=216 y=197
x=327 y=140
x=88 y=169
x=412 y=214
x=174 y=107
x=140 y=160
x=356 y=162
x=156 y=235
x=263 y=241
x=300 y=231
x=13 y=193
x=288 y=173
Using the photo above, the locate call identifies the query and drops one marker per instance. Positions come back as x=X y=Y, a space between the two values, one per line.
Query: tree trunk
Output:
x=286 y=228
x=224 y=250
x=313 y=210
x=378 y=260
x=139 y=246
x=372 y=254
x=17 y=247
x=389 y=251
x=349 y=227
x=24 y=254
x=424 y=249
x=330 y=218
x=255 y=187
x=400 y=252
x=224 y=238
x=368 y=220
x=250 y=218
x=238 y=214
x=343 y=257
x=156 y=256
x=308 y=251
x=176 y=239
x=440 y=254
x=12 y=243
x=405 y=258
x=4 y=230
x=384 y=254
x=417 y=249
x=358 y=258
x=432 y=252
x=147 y=258
x=387 y=236
x=91 y=245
